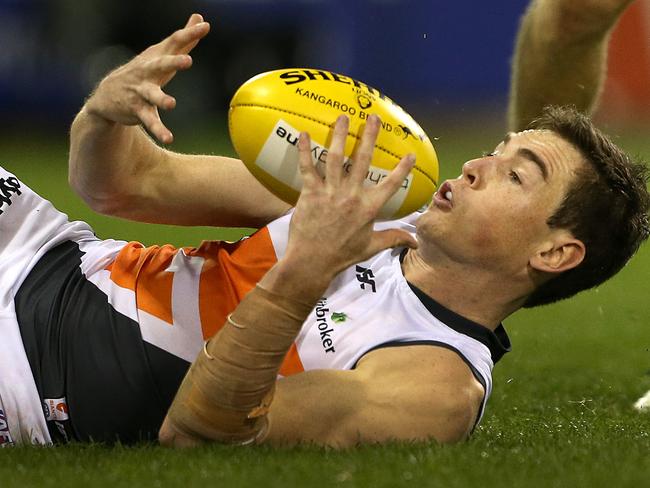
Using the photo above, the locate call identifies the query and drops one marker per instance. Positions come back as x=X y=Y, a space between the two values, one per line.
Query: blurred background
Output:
x=436 y=58
x=418 y=52
x=447 y=63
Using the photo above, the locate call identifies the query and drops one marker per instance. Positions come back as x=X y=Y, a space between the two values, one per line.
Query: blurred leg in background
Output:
x=561 y=57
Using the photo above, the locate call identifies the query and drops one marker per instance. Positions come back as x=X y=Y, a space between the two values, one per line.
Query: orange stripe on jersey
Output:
x=229 y=272
x=292 y=363
x=143 y=270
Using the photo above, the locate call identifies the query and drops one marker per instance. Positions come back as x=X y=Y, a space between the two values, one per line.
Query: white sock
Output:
x=643 y=403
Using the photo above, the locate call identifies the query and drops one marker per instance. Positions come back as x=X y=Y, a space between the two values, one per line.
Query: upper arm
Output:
x=405 y=393
x=188 y=189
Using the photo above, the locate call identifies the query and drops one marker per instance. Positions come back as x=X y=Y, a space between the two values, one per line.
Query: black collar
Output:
x=497 y=342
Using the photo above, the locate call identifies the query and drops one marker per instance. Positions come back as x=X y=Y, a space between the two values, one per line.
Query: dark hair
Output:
x=606 y=205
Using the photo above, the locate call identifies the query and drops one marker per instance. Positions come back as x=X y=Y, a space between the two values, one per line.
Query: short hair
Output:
x=605 y=206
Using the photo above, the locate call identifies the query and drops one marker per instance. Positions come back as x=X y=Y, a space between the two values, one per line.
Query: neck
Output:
x=477 y=294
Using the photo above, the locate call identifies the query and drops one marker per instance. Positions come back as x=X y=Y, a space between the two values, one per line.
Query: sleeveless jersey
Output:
x=29 y=227
x=178 y=298
x=371 y=305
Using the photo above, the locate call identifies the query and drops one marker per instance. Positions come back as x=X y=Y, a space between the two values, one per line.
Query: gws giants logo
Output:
x=8 y=188
x=5 y=435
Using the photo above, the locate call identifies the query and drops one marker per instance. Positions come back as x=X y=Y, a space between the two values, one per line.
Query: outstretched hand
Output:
x=133 y=93
x=334 y=216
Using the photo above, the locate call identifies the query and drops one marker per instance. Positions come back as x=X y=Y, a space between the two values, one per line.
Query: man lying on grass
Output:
x=321 y=327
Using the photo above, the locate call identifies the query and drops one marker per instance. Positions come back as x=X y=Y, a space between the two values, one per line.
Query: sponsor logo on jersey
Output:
x=324 y=329
x=365 y=277
x=5 y=435
x=56 y=414
x=8 y=189
x=55 y=409
x=339 y=317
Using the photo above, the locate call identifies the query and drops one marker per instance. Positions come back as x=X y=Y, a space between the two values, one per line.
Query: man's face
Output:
x=494 y=214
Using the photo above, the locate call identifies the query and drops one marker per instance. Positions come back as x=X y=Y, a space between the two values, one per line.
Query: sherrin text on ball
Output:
x=268 y=112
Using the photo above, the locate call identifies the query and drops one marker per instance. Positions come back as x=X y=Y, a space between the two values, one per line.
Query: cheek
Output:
x=489 y=241
x=500 y=231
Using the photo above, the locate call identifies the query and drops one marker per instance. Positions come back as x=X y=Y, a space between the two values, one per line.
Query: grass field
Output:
x=560 y=414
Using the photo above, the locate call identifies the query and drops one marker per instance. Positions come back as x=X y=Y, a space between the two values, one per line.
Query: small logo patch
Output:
x=8 y=188
x=55 y=409
x=339 y=317
x=5 y=435
x=365 y=277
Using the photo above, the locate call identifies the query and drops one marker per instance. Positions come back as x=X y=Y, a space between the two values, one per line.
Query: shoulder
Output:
x=432 y=380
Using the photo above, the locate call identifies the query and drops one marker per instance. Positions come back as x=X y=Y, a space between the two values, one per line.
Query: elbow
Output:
x=458 y=417
x=101 y=193
x=101 y=200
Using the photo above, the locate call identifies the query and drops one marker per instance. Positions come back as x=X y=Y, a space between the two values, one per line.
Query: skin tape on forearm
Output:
x=226 y=393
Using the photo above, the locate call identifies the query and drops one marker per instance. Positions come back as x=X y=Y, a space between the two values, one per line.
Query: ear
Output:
x=563 y=254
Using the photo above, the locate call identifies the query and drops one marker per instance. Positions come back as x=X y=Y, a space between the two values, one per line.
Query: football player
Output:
x=344 y=382
x=322 y=326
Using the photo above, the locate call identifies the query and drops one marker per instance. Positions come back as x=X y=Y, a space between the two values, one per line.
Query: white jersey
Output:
x=371 y=305
x=177 y=298
x=29 y=227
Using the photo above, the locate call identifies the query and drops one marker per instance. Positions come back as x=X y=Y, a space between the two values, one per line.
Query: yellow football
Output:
x=269 y=111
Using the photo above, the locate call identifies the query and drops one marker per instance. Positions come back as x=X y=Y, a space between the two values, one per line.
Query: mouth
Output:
x=444 y=197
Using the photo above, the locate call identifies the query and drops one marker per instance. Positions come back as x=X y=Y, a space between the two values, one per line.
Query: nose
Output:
x=471 y=172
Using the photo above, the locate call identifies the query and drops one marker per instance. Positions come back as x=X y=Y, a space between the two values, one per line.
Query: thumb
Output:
x=391 y=238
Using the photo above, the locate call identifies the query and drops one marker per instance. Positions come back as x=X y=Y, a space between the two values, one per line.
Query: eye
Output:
x=514 y=177
x=489 y=154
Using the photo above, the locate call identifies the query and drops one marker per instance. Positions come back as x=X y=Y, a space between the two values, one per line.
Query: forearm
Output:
x=107 y=162
x=560 y=56
x=119 y=170
x=227 y=392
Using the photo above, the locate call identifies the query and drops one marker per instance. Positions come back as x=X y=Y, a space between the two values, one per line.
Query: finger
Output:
x=168 y=64
x=391 y=238
x=336 y=151
x=194 y=19
x=184 y=40
x=308 y=172
x=154 y=95
x=363 y=155
x=395 y=180
x=150 y=119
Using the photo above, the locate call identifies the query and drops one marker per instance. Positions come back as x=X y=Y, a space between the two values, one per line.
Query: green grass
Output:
x=560 y=414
